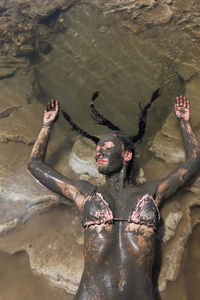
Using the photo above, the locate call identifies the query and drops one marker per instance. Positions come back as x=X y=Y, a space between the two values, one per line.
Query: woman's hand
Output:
x=182 y=108
x=50 y=113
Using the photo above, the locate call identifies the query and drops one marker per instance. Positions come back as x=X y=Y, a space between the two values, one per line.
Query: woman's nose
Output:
x=99 y=154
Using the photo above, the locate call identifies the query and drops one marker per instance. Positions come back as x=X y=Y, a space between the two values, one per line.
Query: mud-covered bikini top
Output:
x=96 y=211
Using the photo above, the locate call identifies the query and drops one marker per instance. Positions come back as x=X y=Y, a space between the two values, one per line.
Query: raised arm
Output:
x=75 y=190
x=168 y=186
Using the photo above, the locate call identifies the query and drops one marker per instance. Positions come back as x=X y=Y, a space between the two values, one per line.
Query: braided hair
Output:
x=103 y=121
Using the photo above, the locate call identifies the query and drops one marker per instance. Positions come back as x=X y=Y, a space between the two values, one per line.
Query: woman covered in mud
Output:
x=120 y=217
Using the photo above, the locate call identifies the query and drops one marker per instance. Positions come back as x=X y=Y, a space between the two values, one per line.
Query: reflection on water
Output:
x=17 y=281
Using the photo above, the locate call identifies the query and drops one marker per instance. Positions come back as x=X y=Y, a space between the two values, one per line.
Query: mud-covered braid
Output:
x=142 y=120
x=143 y=117
x=78 y=129
x=98 y=117
x=103 y=121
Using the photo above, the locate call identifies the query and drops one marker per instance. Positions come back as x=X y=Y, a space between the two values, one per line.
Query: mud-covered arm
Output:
x=75 y=190
x=168 y=186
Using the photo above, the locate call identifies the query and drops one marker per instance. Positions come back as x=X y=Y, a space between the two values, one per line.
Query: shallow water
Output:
x=186 y=286
x=94 y=53
x=17 y=281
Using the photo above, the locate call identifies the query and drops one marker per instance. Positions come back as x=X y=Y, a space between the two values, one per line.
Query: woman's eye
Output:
x=109 y=150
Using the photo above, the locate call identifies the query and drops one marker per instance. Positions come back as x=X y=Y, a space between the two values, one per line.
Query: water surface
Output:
x=93 y=52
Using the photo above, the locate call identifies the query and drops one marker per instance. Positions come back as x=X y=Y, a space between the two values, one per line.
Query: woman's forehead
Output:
x=110 y=137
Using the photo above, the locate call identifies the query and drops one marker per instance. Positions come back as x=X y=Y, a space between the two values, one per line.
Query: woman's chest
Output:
x=132 y=206
x=128 y=243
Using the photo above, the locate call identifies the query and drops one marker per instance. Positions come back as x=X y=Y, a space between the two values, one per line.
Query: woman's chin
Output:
x=103 y=169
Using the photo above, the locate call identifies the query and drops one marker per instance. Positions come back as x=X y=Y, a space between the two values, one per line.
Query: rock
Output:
x=170 y=225
x=25 y=50
x=114 y=6
x=15 y=113
x=50 y=241
x=144 y=12
x=173 y=251
x=16 y=127
x=7 y=72
x=167 y=143
x=23 y=199
x=43 y=47
x=163 y=13
x=20 y=21
x=9 y=66
x=170 y=152
x=167 y=1
x=82 y=162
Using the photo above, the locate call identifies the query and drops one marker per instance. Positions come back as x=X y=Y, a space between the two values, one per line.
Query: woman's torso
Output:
x=119 y=244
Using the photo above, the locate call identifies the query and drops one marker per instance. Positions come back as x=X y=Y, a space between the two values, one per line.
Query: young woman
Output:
x=119 y=217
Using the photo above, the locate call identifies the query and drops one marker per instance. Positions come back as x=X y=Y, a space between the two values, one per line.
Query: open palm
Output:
x=51 y=112
x=182 y=108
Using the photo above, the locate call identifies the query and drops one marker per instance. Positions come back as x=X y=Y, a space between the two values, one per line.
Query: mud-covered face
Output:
x=110 y=154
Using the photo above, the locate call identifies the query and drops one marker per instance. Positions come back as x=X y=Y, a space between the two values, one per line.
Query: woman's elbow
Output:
x=32 y=165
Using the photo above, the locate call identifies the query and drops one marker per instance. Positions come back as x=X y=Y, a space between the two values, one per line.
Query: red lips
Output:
x=102 y=161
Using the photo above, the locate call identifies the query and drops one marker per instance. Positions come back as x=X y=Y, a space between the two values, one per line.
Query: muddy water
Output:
x=186 y=287
x=17 y=281
x=93 y=53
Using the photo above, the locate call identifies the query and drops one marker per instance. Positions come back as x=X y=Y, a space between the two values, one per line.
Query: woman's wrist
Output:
x=47 y=124
x=183 y=121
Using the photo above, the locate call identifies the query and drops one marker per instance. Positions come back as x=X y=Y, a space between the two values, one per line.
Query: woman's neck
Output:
x=119 y=179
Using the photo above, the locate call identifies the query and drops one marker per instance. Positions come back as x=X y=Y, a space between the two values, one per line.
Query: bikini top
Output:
x=96 y=211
